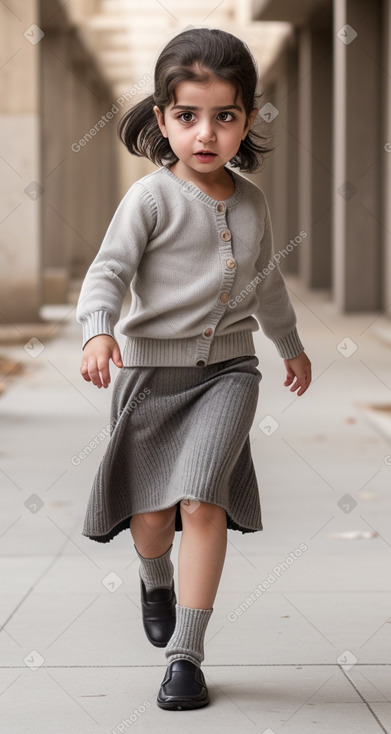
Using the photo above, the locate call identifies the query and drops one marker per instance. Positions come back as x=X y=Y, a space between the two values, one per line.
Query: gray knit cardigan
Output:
x=202 y=275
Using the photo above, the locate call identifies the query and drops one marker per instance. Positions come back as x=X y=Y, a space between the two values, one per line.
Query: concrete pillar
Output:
x=83 y=209
x=92 y=161
x=279 y=190
x=79 y=191
x=314 y=155
x=21 y=184
x=294 y=223
x=386 y=155
x=279 y=177
x=108 y=171
x=356 y=135
x=266 y=178
x=284 y=161
x=55 y=110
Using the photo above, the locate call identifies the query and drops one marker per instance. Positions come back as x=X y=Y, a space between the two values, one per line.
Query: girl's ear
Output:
x=160 y=120
x=251 y=118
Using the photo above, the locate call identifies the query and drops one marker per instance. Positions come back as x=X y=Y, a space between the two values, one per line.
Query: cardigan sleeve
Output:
x=111 y=272
x=275 y=312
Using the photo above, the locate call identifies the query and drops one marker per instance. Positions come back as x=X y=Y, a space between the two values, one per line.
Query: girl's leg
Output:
x=201 y=559
x=201 y=553
x=153 y=532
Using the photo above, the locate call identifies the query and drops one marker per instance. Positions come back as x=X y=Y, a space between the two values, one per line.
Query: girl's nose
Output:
x=205 y=132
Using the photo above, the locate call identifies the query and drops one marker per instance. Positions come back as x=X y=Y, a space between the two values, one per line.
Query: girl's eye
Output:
x=227 y=113
x=183 y=115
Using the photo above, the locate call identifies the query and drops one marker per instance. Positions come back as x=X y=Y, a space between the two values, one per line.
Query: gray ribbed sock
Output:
x=156 y=572
x=187 y=640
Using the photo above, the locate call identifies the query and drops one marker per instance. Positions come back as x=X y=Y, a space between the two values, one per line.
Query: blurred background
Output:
x=69 y=70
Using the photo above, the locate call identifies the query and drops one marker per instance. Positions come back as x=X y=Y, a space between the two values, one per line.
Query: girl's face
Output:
x=204 y=118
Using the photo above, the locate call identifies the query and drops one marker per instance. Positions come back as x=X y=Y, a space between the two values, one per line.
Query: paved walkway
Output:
x=299 y=640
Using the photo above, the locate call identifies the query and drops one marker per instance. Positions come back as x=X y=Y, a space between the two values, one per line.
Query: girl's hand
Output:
x=299 y=367
x=96 y=356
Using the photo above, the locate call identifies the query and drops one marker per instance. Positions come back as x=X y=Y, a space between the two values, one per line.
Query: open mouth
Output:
x=205 y=156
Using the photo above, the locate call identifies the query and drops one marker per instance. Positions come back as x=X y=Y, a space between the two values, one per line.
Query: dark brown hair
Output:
x=195 y=55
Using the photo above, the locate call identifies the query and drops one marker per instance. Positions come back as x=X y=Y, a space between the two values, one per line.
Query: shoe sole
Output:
x=153 y=642
x=180 y=705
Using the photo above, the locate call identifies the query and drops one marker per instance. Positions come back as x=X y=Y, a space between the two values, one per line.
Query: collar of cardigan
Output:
x=190 y=190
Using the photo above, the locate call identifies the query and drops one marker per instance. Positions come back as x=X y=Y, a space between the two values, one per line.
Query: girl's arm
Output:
x=110 y=273
x=277 y=316
x=275 y=313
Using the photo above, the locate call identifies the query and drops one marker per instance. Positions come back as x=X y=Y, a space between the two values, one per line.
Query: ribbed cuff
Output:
x=289 y=346
x=156 y=572
x=96 y=323
x=187 y=641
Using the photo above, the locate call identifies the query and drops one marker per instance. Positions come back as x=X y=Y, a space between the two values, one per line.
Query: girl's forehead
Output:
x=223 y=92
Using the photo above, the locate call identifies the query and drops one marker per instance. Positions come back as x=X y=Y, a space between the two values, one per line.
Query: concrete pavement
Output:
x=299 y=640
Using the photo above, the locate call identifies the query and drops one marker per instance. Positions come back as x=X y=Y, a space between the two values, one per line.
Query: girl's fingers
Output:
x=301 y=383
x=104 y=372
x=94 y=372
x=298 y=376
x=96 y=369
x=84 y=371
x=116 y=357
x=290 y=376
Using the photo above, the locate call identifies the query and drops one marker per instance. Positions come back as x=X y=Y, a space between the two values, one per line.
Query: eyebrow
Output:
x=191 y=107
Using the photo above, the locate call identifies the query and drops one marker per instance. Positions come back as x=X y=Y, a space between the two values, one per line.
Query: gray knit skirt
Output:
x=178 y=433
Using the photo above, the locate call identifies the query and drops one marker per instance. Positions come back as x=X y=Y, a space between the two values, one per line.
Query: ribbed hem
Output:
x=289 y=346
x=187 y=640
x=95 y=323
x=146 y=352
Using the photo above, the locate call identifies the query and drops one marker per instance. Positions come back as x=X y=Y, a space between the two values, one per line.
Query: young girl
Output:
x=193 y=241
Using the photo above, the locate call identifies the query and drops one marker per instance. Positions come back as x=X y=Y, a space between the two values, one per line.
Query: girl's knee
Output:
x=159 y=520
x=200 y=512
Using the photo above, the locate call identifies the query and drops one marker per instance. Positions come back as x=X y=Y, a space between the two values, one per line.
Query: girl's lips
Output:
x=205 y=156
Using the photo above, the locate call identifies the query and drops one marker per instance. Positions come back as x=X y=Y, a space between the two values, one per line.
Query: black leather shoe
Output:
x=159 y=614
x=183 y=687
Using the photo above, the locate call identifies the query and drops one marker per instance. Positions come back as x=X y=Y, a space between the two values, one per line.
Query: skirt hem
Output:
x=125 y=522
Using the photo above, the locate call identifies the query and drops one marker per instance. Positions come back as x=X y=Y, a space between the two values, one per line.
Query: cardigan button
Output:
x=230 y=263
x=208 y=332
x=225 y=235
x=221 y=207
x=201 y=363
x=224 y=297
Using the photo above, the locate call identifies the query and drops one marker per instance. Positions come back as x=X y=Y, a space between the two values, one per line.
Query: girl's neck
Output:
x=218 y=185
